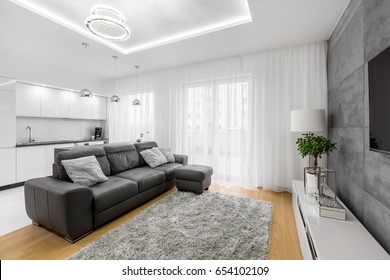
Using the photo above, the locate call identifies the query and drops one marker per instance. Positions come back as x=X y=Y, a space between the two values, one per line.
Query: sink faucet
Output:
x=28 y=128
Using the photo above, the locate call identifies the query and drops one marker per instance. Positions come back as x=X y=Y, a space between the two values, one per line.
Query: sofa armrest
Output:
x=63 y=207
x=183 y=159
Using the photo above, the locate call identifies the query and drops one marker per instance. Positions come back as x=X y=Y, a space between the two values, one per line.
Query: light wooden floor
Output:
x=32 y=242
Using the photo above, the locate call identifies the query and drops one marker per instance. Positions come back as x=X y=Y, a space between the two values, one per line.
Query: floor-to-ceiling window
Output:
x=217 y=125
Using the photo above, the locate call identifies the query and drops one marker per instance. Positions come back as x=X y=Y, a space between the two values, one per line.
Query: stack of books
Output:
x=329 y=207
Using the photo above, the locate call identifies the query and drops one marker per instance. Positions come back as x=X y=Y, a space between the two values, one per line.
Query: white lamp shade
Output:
x=308 y=120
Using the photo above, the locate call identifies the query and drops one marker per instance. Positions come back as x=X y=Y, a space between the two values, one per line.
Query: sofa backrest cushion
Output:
x=122 y=156
x=142 y=147
x=98 y=152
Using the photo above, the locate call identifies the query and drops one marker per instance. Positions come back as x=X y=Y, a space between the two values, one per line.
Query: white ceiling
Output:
x=152 y=22
x=155 y=42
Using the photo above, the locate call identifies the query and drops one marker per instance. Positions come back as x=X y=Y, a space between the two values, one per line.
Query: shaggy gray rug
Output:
x=185 y=226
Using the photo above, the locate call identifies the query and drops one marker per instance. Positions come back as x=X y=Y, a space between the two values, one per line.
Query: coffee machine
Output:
x=98 y=132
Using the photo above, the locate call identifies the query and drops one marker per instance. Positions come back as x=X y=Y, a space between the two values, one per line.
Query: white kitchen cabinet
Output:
x=79 y=107
x=54 y=103
x=46 y=102
x=30 y=162
x=7 y=166
x=50 y=156
x=89 y=143
x=7 y=118
x=99 y=108
x=28 y=100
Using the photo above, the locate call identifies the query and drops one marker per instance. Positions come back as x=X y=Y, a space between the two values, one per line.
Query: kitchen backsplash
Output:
x=46 y=129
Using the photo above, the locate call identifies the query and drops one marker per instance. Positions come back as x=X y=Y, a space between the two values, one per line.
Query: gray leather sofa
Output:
x=74 y=211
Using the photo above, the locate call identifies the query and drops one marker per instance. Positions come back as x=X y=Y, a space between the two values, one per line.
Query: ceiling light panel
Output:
x=152 y=22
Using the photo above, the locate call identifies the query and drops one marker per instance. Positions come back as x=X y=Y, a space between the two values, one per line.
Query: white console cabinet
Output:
x=329 y=239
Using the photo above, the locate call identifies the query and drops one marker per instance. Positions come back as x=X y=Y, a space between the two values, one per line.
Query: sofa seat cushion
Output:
x=112 y=192
x=145 y=177
x=168 y=169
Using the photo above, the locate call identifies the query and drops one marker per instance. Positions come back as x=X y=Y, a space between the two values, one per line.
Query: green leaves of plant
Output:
x=314 y=145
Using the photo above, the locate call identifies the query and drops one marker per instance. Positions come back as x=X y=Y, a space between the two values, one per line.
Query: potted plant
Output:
x=315 y=146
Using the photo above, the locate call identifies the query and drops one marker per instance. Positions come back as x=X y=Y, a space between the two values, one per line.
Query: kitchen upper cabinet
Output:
x=30 y=163
x=99 y=108
x=87 y=108
x=7 y=166
x=46 y=102
x=79 y=107
x=54 y=103
x=28 y=100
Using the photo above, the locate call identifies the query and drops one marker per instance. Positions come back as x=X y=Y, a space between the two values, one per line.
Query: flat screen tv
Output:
x=379 y=102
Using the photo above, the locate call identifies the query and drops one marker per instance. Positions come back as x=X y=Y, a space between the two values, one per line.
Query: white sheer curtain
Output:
x=284 y=80
x=216 y=125
x=233 y=114
x=127 y=122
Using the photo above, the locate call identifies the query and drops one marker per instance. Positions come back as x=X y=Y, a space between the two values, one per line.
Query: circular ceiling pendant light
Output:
x=108 y=23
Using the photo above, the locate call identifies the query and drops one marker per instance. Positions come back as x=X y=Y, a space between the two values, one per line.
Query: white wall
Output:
x=24 y=69
x=7 y=118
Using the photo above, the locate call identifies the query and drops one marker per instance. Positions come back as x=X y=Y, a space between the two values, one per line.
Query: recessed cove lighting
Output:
x=108 y=23
x=7 y=83
x=151 y=25
x=191 y=34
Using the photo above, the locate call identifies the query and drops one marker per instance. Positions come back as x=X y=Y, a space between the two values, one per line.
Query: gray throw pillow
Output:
x=167 y=153
x=84 y=171
x=153 y=157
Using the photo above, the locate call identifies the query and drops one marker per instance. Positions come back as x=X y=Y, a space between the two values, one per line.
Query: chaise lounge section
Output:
x=73 y=211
